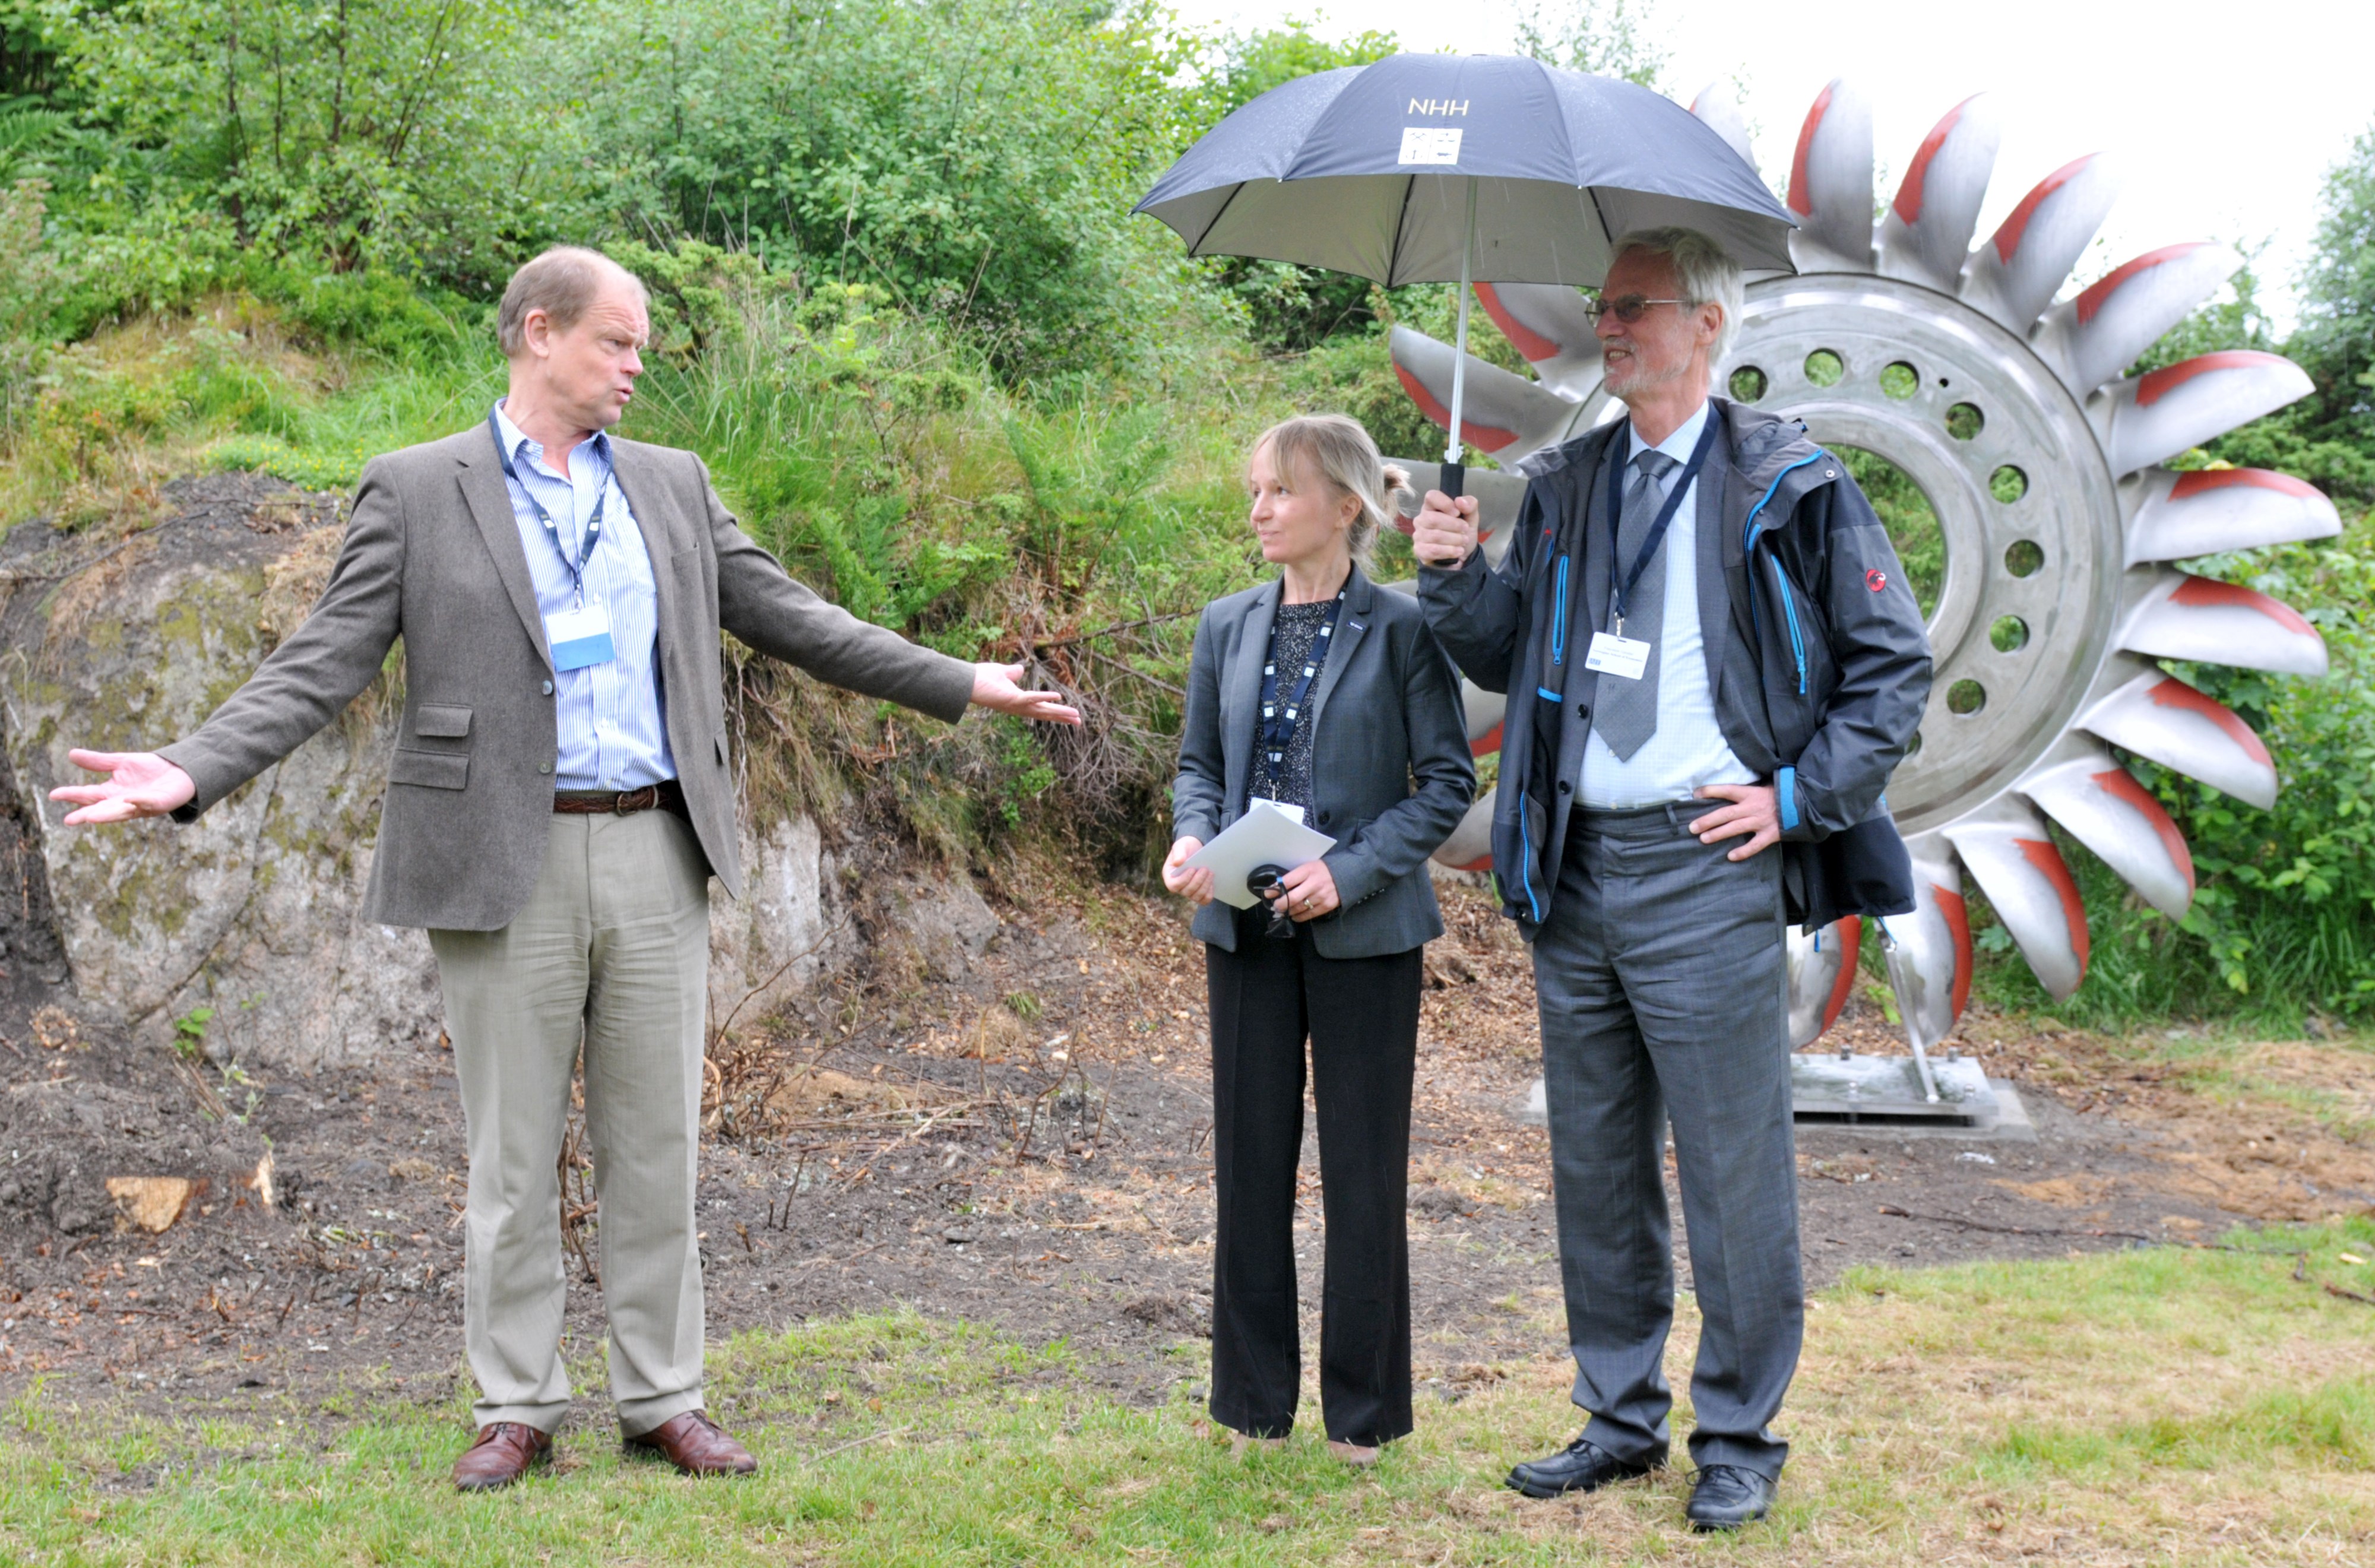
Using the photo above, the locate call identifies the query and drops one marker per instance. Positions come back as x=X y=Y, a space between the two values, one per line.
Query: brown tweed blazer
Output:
x=433 y=556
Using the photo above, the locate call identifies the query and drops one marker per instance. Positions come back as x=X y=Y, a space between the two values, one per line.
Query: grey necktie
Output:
x=1628 y=709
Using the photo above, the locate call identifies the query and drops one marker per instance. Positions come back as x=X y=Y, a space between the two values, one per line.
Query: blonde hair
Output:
x=1340 y=454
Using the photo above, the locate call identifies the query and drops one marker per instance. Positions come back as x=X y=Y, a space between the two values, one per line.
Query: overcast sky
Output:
x=2226 y=117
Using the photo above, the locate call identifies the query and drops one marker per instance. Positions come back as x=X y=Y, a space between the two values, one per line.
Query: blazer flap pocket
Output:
x=435 y=770
x=441 y=723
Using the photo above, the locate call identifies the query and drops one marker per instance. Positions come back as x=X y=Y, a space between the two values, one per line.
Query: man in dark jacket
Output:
x=1710 y=647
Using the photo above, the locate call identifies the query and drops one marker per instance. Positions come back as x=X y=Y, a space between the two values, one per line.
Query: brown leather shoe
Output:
x=502 y=1454
x=695 y=1445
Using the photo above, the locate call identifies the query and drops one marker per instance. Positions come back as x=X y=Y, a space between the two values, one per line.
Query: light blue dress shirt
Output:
x=1687 y=749
x=612 y=715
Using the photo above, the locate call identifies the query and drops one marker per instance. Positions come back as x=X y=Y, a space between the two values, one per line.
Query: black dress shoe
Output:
x=1726 y=1497
x=1581 y=1465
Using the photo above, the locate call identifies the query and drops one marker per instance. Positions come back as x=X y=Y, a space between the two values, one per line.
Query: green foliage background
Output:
x=903 y=312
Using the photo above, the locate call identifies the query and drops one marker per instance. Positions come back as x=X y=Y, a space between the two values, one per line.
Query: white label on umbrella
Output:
x=1430 y=144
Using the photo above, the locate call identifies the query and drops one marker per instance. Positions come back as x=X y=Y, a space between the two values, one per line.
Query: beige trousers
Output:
x=612 y=951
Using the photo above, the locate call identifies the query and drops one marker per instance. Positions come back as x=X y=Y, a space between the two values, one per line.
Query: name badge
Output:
x=1281 y=807
x=1623 y=657
x=579 y=637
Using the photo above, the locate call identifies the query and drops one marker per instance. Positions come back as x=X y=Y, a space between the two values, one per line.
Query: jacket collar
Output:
x=1774 y=457
x=1352 y=623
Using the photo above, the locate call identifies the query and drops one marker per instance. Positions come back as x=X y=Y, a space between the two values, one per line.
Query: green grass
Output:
x=2169 y=1406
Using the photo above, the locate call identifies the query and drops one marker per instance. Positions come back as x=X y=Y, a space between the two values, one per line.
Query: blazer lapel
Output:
x=1351 y=621
x=490 y=506
x=653 y=521
x=1244 y=694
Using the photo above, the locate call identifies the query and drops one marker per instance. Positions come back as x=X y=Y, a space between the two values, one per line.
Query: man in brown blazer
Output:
x=556 y=802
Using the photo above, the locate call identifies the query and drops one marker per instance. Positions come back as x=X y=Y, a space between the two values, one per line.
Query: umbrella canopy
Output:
x=1386 y=170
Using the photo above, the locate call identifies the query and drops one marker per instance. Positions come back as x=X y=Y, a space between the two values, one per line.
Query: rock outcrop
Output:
x=244 y=930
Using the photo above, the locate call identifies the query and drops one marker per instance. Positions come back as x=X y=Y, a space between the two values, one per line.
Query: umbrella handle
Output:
x=1453 y=479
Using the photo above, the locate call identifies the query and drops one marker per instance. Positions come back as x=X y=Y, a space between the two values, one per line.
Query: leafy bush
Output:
x=976 y=159
x=388 y=132
x=30 y=277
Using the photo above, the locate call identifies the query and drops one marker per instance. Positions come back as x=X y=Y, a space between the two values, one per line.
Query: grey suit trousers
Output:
x=1660 y=976
x=611 y=951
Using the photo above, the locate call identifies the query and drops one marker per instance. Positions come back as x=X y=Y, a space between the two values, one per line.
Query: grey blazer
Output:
x=433 y=555
x=1387 y=712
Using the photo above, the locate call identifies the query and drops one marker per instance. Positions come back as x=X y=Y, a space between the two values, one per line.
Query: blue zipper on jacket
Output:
x=1558 y=616
x=1748 y=548
x=1797 y=643
x=1526 y=863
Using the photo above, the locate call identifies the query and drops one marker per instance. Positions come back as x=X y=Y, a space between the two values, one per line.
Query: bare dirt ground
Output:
x=1028 y=1147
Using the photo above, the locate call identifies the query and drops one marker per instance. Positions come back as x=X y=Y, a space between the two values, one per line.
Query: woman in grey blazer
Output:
x=1325 y=694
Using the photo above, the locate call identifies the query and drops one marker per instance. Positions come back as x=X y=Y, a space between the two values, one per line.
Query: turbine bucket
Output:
x=1929 y=967
x=1470 y=847
x=2156 y=416
x=2103 y=807
x=2015 y=275
x=2163 y=720
x=1504 y=413
x=1484 y=710
x=1822 y=977
x=1940 y=963
x=2093 y=338
x=2006 y=847
x=1830 y=183
x=1547 y=323
x=2210 y=510
x=1926 y=235
x=1720 y=111
x=2184 y=617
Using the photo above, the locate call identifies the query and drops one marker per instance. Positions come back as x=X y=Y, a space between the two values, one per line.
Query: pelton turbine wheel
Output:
x=2008 y=410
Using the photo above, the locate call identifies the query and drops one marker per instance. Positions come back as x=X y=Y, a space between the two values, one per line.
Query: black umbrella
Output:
x=1493 y=168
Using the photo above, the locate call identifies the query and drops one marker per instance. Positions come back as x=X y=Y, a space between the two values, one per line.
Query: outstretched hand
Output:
x=138 y=784
x=1000 y=686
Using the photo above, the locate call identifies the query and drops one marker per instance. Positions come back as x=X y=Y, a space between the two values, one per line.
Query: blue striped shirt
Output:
x=612 y=717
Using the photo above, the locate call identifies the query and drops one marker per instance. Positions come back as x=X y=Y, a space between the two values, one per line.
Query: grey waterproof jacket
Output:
x=1817 y=661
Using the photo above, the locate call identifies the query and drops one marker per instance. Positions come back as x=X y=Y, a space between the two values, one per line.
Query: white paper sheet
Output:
x=1263 y=836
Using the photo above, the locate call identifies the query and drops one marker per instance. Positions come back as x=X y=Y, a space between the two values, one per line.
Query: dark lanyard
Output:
x=576 y=568
x=1277 y=727
x=1657 y=535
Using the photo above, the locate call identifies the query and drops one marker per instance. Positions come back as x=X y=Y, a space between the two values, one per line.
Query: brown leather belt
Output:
x=665 y=796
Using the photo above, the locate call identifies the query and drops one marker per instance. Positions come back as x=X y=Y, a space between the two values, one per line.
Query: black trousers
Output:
x=1361 y=1017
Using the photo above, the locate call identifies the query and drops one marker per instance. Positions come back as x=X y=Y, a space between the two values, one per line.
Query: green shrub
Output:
x=976 y=159
x=30 y=279
x=398 y=133
x=311 y=467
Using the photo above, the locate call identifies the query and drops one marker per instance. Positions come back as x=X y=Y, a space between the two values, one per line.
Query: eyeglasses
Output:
x=1628 y=310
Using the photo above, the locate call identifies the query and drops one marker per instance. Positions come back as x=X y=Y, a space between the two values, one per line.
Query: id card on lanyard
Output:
x=579 y=636
x=1612 y=652
x=1276 y=730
